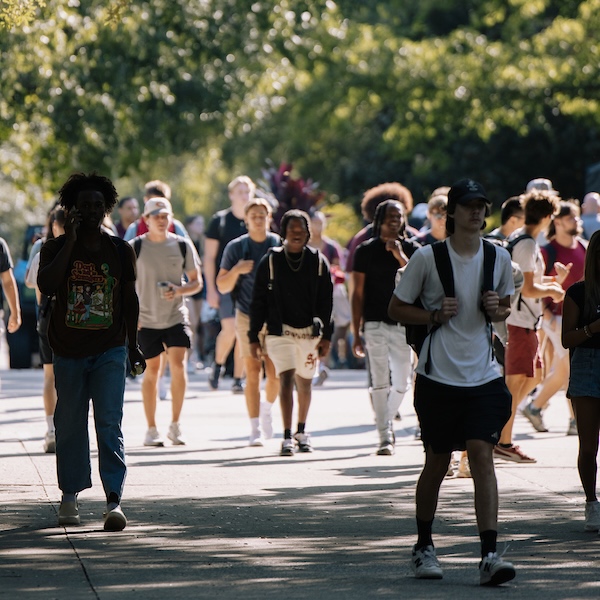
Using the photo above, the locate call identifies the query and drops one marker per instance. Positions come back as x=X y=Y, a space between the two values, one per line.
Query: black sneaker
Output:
x=213 y=380
x=237 y=387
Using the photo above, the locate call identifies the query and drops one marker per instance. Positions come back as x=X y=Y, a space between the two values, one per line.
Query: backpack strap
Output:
x=444 y=267
x=137 y=247
x=444 y=270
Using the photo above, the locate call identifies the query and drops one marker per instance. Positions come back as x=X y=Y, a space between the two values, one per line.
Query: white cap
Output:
x=541 y=184
x=157 y=206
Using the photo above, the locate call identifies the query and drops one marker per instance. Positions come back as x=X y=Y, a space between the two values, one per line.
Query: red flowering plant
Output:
x=288 y=192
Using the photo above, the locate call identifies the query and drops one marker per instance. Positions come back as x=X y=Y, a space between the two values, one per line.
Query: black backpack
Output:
x=417 y=334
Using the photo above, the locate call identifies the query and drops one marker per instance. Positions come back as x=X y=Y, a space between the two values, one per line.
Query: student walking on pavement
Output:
x=567 y=248
x=168 y=271
x=91 y=347
x=225 y=225
x=460 y=397
x=581 y=334
x=293 y=295
x=376 y=263
x=522 y=360
x=236 y=277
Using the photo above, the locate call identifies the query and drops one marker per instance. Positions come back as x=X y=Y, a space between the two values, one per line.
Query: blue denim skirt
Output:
x=585 y=373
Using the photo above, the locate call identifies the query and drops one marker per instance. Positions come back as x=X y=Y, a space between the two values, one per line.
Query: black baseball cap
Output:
x=465 y=190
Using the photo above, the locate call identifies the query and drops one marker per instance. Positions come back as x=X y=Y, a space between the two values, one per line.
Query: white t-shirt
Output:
x=528 y=256
x=460 y=350
x=162 y=261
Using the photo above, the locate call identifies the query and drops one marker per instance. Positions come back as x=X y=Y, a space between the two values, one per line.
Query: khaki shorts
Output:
x=294 y=349
x=242 y=326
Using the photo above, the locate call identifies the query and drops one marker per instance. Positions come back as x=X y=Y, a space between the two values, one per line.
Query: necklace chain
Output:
x=290 y=261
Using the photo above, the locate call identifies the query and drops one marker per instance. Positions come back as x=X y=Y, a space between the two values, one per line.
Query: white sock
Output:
x=265 y=407
x=254 y=424
x=50 y=422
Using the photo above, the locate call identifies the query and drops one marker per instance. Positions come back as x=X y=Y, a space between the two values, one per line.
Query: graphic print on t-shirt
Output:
x=90 y=299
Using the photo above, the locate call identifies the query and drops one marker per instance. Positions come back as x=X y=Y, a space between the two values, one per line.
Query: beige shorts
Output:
x=242 y=326
x=294 y=349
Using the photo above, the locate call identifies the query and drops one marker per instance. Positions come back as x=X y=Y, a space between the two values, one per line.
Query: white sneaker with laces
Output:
x=494 y=571
x=175 y=435
x=153 y=438
x=592 y=516
x=425 y=564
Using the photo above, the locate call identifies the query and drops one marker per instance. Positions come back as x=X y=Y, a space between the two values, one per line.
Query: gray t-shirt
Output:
x=244 y=248
x=460 y=349
x=162 y=261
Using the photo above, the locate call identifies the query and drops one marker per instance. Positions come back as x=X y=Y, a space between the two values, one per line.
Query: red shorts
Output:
x=522 y=355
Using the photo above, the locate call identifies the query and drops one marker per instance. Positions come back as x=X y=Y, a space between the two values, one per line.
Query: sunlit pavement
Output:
x=219 y=519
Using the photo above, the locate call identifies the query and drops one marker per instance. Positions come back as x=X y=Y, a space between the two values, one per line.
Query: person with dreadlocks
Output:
x=91 y=348
x=372 y=198
x=376 y=262
x=293 y=295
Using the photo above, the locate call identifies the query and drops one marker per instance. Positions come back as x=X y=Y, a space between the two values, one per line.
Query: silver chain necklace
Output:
x=292 y=261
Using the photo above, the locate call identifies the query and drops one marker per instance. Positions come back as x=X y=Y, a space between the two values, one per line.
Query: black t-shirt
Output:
x=5 y=257
x=379 y=267
x=577 y=293
x=87 y=317
x=224 y=227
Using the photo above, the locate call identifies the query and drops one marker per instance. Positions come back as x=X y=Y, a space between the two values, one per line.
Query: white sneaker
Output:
x=287 y=447
x=50 y=442
x=153 y=438
x=425 y=564
x=266 y=421
x=592 y=516
x=494 y=571
x=175 y=435
x=115 y=520
x=255 y=439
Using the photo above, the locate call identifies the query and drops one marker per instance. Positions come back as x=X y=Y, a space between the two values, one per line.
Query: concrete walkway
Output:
x=218 y=519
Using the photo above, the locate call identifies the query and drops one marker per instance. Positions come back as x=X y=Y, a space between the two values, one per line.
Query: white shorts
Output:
x=553 y=329
x=294 y=349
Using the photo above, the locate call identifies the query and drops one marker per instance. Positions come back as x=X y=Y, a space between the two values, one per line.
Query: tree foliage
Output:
x=351 y=92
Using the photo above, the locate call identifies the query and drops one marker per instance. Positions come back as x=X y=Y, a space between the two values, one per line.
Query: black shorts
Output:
x=450 y=415
x=46 y=356
x=154 y=341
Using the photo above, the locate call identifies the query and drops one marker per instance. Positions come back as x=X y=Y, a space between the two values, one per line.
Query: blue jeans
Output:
x=100 y=378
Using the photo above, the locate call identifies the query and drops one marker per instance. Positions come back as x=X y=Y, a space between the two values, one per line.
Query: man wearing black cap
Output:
x=460 y=397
